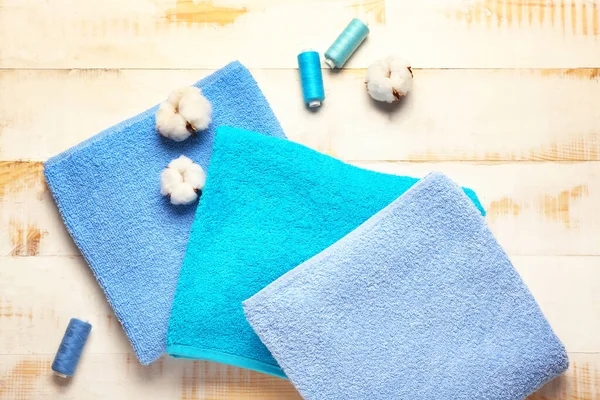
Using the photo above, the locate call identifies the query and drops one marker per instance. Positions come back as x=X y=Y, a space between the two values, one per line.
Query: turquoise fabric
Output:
x=268 y=206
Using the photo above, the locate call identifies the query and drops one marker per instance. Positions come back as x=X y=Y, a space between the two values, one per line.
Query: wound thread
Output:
x=70 y=349
x=311 y=78
x=346 y=43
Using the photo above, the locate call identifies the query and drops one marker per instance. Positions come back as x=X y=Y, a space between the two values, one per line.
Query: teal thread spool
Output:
x=311 y=78
x=346 y=44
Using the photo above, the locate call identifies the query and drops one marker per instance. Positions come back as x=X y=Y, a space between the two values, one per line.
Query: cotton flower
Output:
x=185 y=112
x=389 y=79
x=182 y=180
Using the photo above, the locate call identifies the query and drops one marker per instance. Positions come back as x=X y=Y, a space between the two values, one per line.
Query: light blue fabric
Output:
x=107 y=190
x=268 y=205
x=420 y=302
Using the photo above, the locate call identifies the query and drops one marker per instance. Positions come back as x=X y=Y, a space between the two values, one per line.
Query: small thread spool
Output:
x=70 y=349
x=311 y=77
x=346 y=44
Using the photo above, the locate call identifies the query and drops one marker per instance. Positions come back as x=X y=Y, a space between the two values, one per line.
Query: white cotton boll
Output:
x=195 y=176
x=177 y=94
x=389 y=79
x=180 y=130
x=197 y=110
x=401 y=75
x=169 y=179
x=181 y=164
x=182 y=194
x=165 y=112
x=185 y=112
x=170 y=124
x=182 y=180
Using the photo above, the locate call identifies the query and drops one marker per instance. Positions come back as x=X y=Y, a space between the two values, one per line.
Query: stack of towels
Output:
x=352 y=284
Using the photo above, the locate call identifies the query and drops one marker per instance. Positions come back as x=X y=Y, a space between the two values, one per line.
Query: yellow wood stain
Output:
x=502 y=207
x=563 y=16
x=584 y=23
x=25 y=239
x=557 y=208
x=373 y=8
x=20 y=382
x=552 y=11
x=573 y=17
x=499 y=11
x=236 y=383
x=202 y=12
x=579 y=73
x=541 y=13
x=520 y=5
x=529 y=12
x=190 y=382
x=7 y=311
x=232 y=383
x=17 y=176
x=595 y=12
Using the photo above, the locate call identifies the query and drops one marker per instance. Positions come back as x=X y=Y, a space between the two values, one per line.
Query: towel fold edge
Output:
x=283 y=280
x=195 y=353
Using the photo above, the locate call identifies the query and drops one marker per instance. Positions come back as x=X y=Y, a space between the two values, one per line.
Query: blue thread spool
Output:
x=346 y=44
x=71 y=347
x=309 y=64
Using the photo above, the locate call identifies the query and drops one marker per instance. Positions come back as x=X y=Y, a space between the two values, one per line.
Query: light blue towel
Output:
x=107 y=190
x=268 y=205
x=419 y=302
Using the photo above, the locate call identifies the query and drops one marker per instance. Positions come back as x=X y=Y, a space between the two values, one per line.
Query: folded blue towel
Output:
x=268 y=205
x=108 y=192
x=419 y=302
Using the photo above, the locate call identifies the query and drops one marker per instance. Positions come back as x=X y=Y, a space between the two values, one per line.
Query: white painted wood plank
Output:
x=491 y=115
x=269 y=33
x=533 y=208
x=39 y=295
x=118 y=377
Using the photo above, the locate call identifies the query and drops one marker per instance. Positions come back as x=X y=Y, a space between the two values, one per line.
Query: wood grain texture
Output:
x=451 y=115
x=567 y=289
x=165 y=33
x=32 y=326
x=533 y=208
x=119 y=376
x=27 y=378
x=505 y=100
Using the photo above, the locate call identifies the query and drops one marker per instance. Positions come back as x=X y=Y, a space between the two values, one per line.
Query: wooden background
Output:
x=506 y=100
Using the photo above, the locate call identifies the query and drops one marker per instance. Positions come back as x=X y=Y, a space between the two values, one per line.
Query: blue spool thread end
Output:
x=346 y=43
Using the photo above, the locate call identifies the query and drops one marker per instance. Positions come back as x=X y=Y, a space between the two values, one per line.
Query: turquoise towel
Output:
x=108 y=192
x=268 y=205
x=420 y=302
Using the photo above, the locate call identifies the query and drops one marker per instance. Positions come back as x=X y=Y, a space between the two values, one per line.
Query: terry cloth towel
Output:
x=419 y=302
x=268 y=205
x=108 y=192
